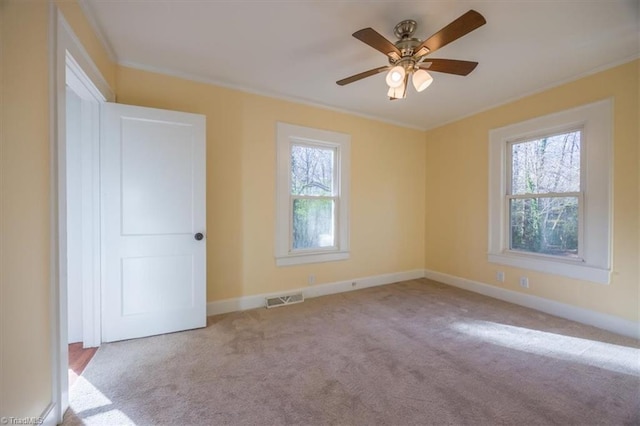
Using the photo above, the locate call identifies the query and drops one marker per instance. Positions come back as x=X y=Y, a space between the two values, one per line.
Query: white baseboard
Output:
x=607 y=322
x=585 y=316
x=48 y=416
x=258 y=300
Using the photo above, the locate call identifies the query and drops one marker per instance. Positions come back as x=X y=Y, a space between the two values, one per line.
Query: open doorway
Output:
x=82 y=220
x=82 y=187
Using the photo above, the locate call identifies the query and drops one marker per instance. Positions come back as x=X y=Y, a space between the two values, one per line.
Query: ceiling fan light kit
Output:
x=407 y=55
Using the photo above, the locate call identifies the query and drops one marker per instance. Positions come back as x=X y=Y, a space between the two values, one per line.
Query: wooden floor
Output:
x=78 y=360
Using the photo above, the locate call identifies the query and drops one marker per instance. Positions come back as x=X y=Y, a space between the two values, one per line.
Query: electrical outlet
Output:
x=311 y=279
x=524 y=282
x=500 y=276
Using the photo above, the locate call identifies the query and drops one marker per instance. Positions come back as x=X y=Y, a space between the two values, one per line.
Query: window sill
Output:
x=580 y=271
x=300 y=259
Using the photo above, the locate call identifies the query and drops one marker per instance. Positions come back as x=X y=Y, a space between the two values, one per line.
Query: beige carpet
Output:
x=410 y=353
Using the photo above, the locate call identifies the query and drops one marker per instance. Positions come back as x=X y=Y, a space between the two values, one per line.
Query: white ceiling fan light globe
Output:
x=395 y=76
x=421 y=80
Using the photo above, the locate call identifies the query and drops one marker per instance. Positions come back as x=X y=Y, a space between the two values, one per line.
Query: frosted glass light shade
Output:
x=421 y=80
x=395 y=76
x=396 y=92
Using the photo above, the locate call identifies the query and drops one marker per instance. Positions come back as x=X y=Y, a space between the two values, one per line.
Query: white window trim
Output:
x=596 y=226
x=288 y=134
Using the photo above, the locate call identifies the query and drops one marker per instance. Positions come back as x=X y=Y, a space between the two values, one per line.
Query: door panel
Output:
x=155 y=284
x=156 y=160
x=153 y=202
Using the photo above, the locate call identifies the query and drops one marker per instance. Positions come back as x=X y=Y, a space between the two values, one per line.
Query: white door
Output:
x=153 y=215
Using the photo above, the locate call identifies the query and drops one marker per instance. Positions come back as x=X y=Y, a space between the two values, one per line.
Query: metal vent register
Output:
x=274 y=302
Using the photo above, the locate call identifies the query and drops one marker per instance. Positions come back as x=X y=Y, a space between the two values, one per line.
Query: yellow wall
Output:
x=456 y=216
x=25 y=229
x=387 y=185
x=25 y=381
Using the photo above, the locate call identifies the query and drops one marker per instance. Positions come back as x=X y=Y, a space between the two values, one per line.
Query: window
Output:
x=312 y=195
x=549 y=201
x=543 y=193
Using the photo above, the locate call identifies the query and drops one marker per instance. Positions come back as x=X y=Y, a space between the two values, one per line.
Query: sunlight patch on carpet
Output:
x=620 y=359
x=93 y=407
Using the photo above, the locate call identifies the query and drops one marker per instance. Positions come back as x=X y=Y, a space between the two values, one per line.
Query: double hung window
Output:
x=312 y=195
x=550 y=193
x=544 y=195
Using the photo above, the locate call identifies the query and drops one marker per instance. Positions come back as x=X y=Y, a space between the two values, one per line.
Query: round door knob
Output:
x=198 y=236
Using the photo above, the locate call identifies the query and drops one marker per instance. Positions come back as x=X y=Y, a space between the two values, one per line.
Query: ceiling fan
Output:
x=408 y=56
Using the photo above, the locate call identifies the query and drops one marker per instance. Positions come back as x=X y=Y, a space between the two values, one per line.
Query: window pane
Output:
x=546 y=165
x=313 y=223
x=312 y=170
x=545 y=225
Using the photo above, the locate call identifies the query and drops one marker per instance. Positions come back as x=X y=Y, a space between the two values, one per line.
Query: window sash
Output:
x=336 y=224
x=335 y=197
x=335 y=175
x=508 y=234
x=509 y=157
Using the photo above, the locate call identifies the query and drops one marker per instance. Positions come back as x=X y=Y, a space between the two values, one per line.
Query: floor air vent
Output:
x=274 y=302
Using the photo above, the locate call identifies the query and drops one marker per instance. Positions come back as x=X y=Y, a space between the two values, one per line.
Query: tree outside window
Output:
x=312 y=196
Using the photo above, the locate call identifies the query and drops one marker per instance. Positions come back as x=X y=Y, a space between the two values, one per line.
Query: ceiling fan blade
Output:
x=456 y=29
x=362 y=75
x=449 y=66
x=378 y=42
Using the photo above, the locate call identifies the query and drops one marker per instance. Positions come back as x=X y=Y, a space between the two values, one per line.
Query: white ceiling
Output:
x=298 y=49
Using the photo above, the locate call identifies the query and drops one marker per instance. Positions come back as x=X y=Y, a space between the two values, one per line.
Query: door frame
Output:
x=89 y=202
x=69 y=63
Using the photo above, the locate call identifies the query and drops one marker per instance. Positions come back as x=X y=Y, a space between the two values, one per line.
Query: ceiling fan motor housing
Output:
x=405 y=29
x=406 y=43
x=406 y=47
